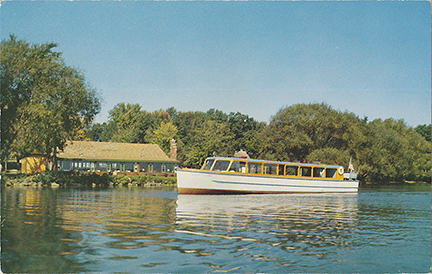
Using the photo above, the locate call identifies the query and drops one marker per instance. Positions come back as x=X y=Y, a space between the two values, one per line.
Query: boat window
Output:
x=318 y=172
x=270 y=169
x=238 y=166
x=305 y=171
x=281 y=169
x=254 y=168
x=221 y=165
x=291 y=170
x=331 y=173
x=208 y=164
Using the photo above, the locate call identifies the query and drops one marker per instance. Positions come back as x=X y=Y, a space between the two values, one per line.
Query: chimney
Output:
x=173 y=149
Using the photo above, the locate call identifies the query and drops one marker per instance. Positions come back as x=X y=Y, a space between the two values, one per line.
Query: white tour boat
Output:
x=225 y=175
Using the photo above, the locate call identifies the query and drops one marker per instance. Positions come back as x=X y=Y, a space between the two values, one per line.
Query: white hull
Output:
x=205 y=182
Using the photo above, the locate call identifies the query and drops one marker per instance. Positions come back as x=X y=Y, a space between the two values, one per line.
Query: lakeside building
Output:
x=33 y=164
x=105 y=157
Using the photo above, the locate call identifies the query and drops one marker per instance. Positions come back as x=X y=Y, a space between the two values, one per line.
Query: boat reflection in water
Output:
x=309 y=224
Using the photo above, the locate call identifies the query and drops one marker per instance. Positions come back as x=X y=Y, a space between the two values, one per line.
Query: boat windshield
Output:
x=208 y=164
x=221 y=165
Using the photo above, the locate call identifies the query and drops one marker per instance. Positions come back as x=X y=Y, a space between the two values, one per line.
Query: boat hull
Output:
x=207 y=182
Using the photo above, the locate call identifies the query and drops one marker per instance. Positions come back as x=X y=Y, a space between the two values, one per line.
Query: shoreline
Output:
x=57 y=179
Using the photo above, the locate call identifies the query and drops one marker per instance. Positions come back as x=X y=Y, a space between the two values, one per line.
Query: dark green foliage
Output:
x=382 y=151
x=394 y=152
x=198 y=134
x=297 y=131
x=425 y=131
x=44 y=103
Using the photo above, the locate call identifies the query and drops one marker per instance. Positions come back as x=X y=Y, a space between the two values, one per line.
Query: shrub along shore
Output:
x=58 y=179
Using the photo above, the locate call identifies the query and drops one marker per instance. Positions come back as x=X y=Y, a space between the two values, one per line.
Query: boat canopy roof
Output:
x=271 y=162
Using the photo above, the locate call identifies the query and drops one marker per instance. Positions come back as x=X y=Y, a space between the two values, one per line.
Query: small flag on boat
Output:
x=351 y=167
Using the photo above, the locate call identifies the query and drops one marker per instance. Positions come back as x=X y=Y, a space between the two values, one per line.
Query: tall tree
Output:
x=162 y=136
x=208 y=139
x=44 y=102
x=425 y=131
x=244 y=130
x=296 y=131
x=128 y=123
x=394 y=152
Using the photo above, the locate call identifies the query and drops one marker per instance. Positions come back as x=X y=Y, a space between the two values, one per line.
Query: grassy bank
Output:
x=55 y=179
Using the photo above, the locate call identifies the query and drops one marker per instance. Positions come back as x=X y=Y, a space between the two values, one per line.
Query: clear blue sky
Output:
x=370 y=58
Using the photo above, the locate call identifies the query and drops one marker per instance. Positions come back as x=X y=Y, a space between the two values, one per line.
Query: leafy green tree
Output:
x=329 y=155
x=425 y=131
x=162 y=136
x=296 y=131
x=209 y=139
x=44 y=101
x=127 y=124
x=394 y=152
x=186 y=124
x=94 y=133
x=244 y=130
x=17 y=64
x=217 y=115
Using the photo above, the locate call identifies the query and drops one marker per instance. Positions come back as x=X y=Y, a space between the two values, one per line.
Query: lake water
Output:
x=141 y=230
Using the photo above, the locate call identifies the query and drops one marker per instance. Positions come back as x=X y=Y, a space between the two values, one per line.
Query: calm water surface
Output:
x=156 y=230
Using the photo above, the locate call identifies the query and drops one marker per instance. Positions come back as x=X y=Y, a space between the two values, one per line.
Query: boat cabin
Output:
x=273 y=168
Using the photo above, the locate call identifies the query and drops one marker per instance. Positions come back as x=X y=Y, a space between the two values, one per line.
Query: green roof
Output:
x=108 y=151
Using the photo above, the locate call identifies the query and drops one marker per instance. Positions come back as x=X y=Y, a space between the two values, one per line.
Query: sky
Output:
x=366 y=57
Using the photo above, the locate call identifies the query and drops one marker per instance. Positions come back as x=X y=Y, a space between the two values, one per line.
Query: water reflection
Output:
x=293 y=223
x=143 y=230
x=31 y=235
x=55 y=230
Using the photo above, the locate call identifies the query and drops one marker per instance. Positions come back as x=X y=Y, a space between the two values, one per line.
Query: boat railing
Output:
x=350 y=176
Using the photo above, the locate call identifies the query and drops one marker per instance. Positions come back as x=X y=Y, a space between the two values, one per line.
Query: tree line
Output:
x=44 y=103
x=381 y=150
